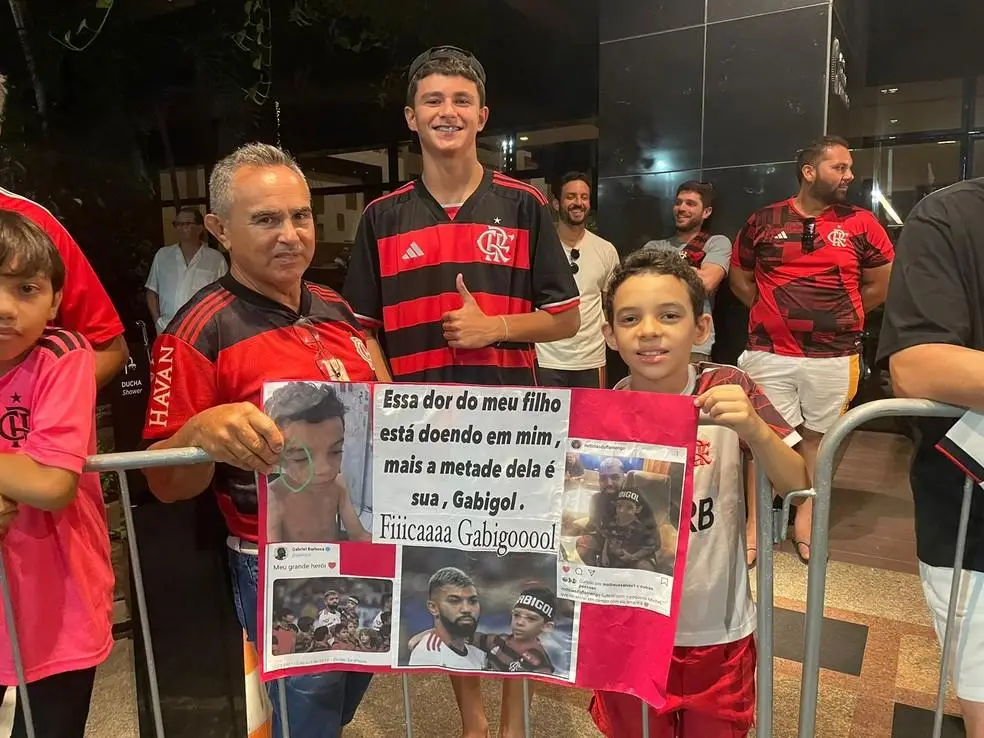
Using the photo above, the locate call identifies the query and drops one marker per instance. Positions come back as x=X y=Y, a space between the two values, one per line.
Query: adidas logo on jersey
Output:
x=413 y=252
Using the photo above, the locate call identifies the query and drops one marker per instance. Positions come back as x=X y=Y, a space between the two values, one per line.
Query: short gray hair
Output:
x=248 y=155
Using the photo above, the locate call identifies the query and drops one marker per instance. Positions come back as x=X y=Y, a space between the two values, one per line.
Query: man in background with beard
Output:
x=329 y=616
x=611 y=476
x=452 y=599
x=709 y=255
x=809 y=268
x=579 y=361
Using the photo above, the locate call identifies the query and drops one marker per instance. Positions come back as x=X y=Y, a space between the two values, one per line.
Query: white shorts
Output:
x=810 y=392
x=967 y=656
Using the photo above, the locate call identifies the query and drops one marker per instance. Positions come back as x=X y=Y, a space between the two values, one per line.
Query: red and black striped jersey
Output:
x=505 y=654
x=220 y=348
x=808 y=274
x=408 y=252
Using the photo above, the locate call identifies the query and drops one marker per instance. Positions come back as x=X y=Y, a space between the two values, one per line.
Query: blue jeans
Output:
x=318 y=705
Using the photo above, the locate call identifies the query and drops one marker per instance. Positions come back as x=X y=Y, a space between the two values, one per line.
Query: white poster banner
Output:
x=483 y=463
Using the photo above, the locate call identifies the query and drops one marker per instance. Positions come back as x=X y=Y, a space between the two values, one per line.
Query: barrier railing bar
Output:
x=527 y=730
x=284 y=717
x=819 y=548
x=765 y=579
x=407 y=716
x=130 y=460
x=131 y=540
x=8 y=608
x=951 y=611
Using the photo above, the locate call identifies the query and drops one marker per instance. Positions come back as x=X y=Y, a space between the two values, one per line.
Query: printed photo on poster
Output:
x=325 y=620
x=619 y=524
x=478 y=611
x=321 y=491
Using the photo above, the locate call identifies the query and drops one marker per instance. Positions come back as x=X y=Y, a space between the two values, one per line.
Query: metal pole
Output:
x=645 y=719
x=817 y=578
x=407 y=717
x=145 y=459
x=8 y=608
x=131 y=539
x=527 y=730
x=765 y=575
x=284 y=717
x=951 y=611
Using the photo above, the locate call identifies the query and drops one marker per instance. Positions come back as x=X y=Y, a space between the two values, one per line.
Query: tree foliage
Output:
x=113 y=83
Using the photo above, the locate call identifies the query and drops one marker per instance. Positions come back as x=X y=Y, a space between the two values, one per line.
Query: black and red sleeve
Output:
x=182 y=384
x=554 y=288
x=363 y=282
x=743 y=251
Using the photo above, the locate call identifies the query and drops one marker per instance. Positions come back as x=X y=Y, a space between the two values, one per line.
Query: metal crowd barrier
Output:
x=770 y=525
x=767 y=525
x=817 y=578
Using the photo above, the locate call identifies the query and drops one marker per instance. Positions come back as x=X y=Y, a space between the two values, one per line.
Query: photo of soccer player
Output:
x=477 y=611
x=331 y=614
x=622 y=511
x=322 y=489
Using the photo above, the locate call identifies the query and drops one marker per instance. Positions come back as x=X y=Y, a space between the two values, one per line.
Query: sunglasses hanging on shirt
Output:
x=575 y=255
x=809 y=237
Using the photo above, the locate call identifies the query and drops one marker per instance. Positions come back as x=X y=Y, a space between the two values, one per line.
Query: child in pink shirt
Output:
x=55 y=540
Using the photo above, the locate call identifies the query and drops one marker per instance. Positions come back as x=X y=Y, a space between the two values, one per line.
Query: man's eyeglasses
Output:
x=575 y=255
x=182 y=223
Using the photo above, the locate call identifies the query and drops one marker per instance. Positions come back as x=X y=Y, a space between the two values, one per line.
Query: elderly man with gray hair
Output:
x=260 y=322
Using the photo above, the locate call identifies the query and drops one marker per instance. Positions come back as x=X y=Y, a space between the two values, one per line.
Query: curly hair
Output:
x=655 y=261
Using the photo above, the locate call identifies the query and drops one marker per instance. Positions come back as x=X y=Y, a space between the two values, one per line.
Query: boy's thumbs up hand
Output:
x=466 y=296
x=468 y=327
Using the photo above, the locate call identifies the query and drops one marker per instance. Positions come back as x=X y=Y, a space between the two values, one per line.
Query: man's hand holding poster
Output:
x=534 y=532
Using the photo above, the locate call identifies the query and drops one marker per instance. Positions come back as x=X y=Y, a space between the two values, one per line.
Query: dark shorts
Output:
x=585 y=378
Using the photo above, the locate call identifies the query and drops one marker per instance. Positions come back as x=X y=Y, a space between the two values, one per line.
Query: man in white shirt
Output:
x=452 y=599
x=709 y=255
x=579 y=361
x=180 y=270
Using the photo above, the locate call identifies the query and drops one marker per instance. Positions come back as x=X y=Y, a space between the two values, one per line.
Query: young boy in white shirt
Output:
x=654 y=308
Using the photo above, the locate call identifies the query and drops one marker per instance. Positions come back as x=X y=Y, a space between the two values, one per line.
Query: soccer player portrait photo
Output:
x=485 y=613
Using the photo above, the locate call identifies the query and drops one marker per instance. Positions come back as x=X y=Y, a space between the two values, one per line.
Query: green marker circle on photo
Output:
x=284 y=477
